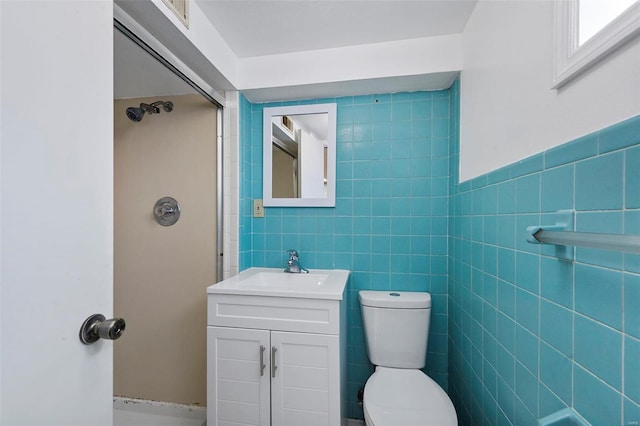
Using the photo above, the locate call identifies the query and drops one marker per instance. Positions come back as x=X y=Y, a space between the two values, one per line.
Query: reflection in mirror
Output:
x=299 y=155
x=299 y=142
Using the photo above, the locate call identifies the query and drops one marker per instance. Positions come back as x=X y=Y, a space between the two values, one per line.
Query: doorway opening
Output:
x=167 y=145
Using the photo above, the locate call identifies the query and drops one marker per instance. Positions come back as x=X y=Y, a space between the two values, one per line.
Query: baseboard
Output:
x=168 y=409
x=157 y=408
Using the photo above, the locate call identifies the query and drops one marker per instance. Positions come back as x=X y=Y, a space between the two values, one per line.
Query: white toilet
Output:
x=398 y=393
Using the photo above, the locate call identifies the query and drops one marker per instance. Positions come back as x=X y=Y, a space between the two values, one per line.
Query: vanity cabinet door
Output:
x=305 y=388
x=237 y=380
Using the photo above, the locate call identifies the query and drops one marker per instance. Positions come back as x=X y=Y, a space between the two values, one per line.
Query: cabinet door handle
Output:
x=273 y=361
x=262 y=365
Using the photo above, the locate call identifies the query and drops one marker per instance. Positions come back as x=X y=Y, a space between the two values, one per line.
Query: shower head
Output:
x=136 y=114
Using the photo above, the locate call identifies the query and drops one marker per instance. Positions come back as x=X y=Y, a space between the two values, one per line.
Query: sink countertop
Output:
x=317 y=284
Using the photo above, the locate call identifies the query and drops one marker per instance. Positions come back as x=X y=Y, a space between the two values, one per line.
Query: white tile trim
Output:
x=231 y=185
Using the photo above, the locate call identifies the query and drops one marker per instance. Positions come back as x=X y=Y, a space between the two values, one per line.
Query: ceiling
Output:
x=264 y=27
x=136 y=74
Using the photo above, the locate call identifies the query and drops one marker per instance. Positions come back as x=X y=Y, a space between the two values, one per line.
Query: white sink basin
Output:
x=317 y=284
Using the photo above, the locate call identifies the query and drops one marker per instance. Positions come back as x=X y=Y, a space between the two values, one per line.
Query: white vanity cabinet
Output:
x=260 y=377
x=275 y=359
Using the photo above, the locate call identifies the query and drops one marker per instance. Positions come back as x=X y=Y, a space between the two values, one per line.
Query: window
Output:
x=588 y=30
x=594 y=15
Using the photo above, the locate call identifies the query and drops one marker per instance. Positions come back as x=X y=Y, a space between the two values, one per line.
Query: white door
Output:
x=56 y=197
x=238 y=371
x=305 y=389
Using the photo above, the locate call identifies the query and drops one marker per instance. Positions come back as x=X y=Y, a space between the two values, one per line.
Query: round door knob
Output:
x=97 y=327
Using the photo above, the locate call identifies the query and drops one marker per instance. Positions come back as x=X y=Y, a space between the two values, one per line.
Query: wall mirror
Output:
x=299 y=154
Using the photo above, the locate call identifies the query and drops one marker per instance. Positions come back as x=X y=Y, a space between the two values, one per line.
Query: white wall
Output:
x=508 y=111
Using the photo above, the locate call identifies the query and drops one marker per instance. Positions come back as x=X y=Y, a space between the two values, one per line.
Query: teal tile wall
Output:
x=390 y=223
x=529 y=334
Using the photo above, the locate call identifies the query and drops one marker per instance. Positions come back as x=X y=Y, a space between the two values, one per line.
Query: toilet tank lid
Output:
x=395 y=299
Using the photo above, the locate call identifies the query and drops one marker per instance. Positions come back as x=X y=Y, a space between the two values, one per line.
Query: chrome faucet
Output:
x=293 y=264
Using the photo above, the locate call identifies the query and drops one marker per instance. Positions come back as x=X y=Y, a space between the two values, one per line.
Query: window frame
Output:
x=572 y=59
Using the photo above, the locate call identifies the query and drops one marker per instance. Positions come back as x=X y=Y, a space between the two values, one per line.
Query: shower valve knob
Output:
x=166 y=211
x=98 y=327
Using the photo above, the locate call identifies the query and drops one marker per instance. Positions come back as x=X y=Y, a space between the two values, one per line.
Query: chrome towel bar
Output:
x=562 y=235
x=616 y=242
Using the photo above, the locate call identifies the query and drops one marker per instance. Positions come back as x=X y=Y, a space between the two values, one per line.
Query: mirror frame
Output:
x=267 y=116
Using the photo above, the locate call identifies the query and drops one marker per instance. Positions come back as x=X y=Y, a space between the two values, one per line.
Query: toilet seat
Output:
x=406 y=397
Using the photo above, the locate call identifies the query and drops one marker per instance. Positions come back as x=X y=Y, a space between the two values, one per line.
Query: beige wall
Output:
x=161 y=273
x=282 y=174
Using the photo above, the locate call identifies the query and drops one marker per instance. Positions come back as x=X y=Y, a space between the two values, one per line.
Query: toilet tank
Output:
x=396 y=326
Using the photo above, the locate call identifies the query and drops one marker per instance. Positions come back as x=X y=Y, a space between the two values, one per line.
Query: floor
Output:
x=135 y=412
x=138 y=412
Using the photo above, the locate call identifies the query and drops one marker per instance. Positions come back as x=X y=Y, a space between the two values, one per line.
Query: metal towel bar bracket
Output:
x=564 y=237
x=565 y=220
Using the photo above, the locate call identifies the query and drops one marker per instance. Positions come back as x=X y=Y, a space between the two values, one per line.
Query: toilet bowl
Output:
x=398 y=393
x=406 y=397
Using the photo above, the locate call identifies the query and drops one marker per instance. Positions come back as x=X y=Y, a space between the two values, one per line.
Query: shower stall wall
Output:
x=161 y=272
